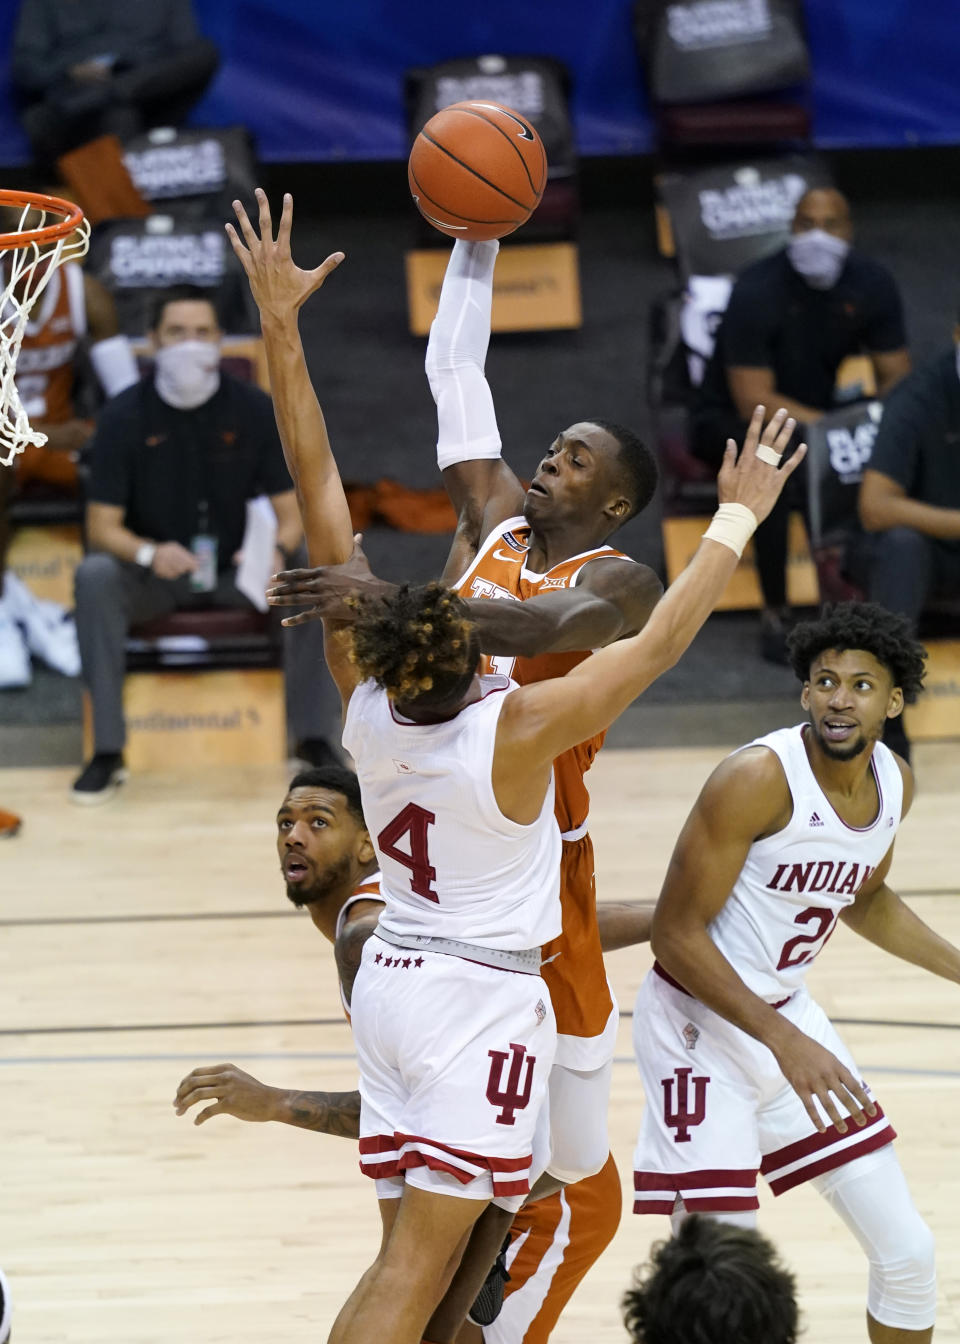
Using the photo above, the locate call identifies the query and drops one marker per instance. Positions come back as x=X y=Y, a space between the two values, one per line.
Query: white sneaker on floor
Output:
x=14 y=658
x=50 y=630
x=51 y=636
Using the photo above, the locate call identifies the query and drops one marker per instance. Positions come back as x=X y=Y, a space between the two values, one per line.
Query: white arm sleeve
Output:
x=456 y=352
x=115 y=365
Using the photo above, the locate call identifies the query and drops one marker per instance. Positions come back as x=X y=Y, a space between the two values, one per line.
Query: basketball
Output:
x=477 y=171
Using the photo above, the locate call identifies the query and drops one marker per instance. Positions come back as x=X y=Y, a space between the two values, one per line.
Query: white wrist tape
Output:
x=732 y=525
x=456 y=353
x=768 y=455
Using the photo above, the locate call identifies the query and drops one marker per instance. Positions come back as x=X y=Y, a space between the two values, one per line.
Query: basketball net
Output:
x=27 y=262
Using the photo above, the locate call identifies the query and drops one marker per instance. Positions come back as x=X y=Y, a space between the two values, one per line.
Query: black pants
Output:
x=902 y=569
x=131 y=100
x=112 y=595
x=709 y=439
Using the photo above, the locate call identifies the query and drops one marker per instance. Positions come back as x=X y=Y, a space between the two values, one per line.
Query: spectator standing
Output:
x=85 y=68
x=910 y=497
x=172 y=465
x=792 y=319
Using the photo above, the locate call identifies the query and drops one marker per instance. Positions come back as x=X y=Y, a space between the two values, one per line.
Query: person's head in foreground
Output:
x=859 y=664
x=420 y=645
x=712 y=1284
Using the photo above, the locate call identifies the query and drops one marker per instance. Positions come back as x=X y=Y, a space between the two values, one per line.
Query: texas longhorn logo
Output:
x=511 y=1098
x=682 y=1118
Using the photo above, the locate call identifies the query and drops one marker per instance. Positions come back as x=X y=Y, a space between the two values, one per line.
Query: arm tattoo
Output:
x=348 y=950
x=335 y=1113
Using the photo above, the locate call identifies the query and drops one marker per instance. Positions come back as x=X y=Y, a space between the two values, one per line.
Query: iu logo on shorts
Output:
x=511 y=1097
x=681 y=1117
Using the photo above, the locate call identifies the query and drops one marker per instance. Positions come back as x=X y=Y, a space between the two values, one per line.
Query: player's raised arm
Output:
x=482 y=488
x=547 y=718
x=280 y=288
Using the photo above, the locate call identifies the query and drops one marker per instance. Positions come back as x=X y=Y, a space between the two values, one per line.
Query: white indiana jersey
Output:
x=453 y=865
x=794 y=885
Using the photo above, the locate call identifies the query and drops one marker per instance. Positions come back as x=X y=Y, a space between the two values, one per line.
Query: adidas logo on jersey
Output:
x=815 y=820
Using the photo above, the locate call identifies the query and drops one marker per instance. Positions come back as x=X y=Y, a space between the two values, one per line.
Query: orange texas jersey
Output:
x=45 y=374
x=573 y=963
x=499 y=571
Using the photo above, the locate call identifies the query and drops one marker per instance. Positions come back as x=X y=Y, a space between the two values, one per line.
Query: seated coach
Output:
x=174 y=461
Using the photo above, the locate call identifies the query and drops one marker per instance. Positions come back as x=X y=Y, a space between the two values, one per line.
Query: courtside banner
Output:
x=137 y=259
x=730 y=214
x=698 y=50
x=168 y=164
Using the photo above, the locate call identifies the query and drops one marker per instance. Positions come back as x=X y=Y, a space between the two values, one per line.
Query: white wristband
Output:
x=732 y=525
x=145 y=553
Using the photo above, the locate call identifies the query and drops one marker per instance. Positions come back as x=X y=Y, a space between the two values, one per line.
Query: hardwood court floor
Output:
x=150 y=935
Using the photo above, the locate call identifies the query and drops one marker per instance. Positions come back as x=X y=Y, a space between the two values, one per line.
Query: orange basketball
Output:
x=477 y=170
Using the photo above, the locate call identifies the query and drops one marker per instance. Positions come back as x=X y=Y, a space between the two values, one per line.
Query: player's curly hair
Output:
x=418 y=643
x=862 y=625
x=710 y=1284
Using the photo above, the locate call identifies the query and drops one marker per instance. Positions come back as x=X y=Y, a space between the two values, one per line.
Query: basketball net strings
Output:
x=24 y=281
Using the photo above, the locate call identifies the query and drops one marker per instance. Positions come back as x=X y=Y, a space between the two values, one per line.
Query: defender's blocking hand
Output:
x=755 y=477
x=278 y=285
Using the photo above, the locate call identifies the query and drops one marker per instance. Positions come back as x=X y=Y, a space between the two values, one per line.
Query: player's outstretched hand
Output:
x=229 y=1089
x=813 y=1071
x=755 y=476
x=327 y=589
x=278 y=285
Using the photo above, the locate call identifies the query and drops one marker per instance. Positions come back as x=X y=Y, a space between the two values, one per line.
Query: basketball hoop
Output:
x=59 y=232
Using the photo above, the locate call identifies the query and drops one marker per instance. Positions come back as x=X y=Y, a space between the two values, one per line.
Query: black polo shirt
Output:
x=160 y=464
x=775 y=320
x=918 y=443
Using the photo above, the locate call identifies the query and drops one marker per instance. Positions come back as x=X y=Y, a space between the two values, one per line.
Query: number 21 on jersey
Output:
x=412 y=821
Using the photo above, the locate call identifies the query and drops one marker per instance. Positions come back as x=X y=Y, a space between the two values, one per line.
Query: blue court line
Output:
x=328 y=1055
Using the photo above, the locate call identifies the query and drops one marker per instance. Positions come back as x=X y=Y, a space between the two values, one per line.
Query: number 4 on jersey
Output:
x=412 y=821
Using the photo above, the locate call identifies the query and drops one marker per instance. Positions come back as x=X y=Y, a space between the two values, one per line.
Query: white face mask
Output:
x=817 y=256
x=187 y=374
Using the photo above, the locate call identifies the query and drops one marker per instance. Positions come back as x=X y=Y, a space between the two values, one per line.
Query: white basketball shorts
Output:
x=718 y=1109
x=454 y=1061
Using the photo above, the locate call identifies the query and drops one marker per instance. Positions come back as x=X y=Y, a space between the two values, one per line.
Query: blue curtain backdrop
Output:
x=322 y=81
